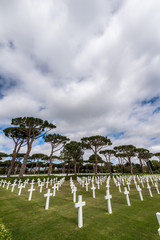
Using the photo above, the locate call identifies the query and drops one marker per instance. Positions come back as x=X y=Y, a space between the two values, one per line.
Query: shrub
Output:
x=4 y=233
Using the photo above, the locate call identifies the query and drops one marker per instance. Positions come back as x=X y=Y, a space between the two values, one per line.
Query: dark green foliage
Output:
x=128 y=152
x=96 y=144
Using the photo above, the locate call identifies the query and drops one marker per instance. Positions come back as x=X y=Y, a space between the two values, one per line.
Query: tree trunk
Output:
x=140 y=160
x=131 y=166
x=15 y=152
x=23 y=167
x=16 y=168
x=149 y=167
x=50 y=161
x=63 y=168
x=122 y=168
x=110 y=168
x=50 y=168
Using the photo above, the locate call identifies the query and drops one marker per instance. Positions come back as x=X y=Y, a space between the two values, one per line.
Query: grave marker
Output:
x=79 y=205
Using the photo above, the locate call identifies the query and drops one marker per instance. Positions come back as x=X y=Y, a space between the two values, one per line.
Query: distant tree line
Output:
x=26 y=130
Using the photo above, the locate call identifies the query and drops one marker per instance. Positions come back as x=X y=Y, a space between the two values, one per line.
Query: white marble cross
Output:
x=47 y=182
x=108 y=198
x=8 y=184
x=126 y=192
x=13 y=185
x=140 y=192
x=30 y=190
x=123 y=181
x=86 y=186
x=128 y=184
x=107 y=186
x=4 y=183
x=74 y=194
x=98 y=183
x=93 y=189
x=149 y=188
x=25 y=182
x=51 y=181
x=79 y=205
x=142 y=183
x=41 y=184
x=47 y=195
x=158 y=218
x=156 y=186
x=20 y=189
x=19 y=182
x=54 y=189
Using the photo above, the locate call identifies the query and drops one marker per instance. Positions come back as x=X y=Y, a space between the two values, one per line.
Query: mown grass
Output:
x=28 y=220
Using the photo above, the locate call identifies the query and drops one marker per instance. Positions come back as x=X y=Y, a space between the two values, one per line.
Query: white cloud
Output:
x=86 y=67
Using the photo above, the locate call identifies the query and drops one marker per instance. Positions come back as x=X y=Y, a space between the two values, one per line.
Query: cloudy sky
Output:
x=90 y=67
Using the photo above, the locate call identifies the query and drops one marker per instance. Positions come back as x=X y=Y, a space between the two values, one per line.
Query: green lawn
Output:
x=28 y=220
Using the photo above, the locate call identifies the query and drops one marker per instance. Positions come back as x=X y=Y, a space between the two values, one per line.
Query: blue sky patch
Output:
x=150 y=101
x=156 y=110
x=116 y=135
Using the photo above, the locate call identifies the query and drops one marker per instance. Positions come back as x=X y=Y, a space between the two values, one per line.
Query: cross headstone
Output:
x=126 y=192
x=74 y=194
x=54 y=189
x=156 y=186
x=8 y=183
x=13 y=185
x=140 y=192
x=93 y=189
x=128 y=184
x=4 y=183
x=30 y=190
x=142 y=183
x=20 y=189
x=19 y=182
x=41 y=184
x=87 y=183
x=108 y=198
x=79 y=205
x=51 y=181
x=47 y=195
x=158 y=218
x=47 y=182
x=149 y=189
x=25 y=182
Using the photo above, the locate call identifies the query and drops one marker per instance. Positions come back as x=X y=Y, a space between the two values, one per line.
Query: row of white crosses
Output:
x=141 y=180
x=22 y=185
x=49 y=194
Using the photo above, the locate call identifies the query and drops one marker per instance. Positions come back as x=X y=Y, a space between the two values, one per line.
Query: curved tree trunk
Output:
x=141 y=165
x=131 y=166
x=50 y=161
x=63 y=168
x=149 y=167
x=15 y=152
x=23 y=167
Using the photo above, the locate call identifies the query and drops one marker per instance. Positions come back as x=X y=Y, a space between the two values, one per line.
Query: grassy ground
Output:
x=29 y=220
